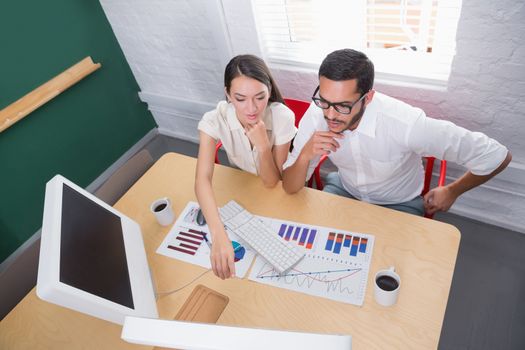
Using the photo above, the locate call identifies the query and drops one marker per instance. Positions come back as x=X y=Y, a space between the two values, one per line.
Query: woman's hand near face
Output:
x=257 y=135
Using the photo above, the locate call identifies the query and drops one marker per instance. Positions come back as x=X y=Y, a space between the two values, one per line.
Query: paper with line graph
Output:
x=335 y=266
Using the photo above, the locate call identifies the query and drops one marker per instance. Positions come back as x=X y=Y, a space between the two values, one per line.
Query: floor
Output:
x=486 y=307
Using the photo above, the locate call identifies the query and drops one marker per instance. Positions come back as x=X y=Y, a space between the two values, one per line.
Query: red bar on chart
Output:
x=182 y=250
x=188 y=240
x=189 y=235
x=311 y=239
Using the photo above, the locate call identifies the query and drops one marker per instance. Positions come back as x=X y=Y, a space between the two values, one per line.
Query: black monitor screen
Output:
x=92 y=254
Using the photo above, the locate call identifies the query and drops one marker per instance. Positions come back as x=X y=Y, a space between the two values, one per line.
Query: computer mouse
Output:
x=201 y=221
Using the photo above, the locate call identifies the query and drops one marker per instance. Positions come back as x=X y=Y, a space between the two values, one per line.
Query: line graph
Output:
x=271 y=274
x=314 y=276
x=332 y=279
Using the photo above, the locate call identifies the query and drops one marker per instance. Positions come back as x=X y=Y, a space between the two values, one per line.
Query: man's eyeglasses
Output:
x=343 y=108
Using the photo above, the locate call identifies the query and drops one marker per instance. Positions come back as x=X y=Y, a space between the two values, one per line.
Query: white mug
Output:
x=163 y=211
x=386 y=286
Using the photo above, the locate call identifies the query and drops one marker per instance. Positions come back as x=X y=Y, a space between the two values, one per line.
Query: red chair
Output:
x=317 y=175
x=428 y=177
x=299 y=107
x=426 y=184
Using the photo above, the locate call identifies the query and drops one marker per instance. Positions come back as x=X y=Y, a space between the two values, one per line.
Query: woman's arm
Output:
x=269 y=171
x=271 y=164
x=280 y=154
x=222 y=256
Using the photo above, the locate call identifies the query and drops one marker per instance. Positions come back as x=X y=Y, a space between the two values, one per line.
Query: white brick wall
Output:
x=177 y=50
x=169 y=46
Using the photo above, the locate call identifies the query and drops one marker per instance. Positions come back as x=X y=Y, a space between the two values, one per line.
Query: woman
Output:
x=255 y=128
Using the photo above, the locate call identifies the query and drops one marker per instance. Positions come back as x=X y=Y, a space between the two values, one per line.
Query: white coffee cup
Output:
x=386 y=286
x=163 y=211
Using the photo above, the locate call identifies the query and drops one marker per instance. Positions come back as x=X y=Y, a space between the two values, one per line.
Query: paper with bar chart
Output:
x=186 y=241
x=335 y=266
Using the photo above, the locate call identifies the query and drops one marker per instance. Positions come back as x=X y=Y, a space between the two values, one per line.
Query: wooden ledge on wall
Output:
x=45 y=92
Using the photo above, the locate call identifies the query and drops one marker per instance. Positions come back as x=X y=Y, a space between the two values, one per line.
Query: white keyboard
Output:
x=280 y=254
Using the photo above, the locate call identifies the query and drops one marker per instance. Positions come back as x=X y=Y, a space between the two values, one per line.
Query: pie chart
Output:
x=238 y=250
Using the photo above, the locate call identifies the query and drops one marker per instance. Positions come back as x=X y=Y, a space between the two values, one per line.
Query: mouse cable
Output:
x=163 y=294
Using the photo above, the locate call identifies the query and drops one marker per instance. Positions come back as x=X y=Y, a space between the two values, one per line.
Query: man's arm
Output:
x=442 y=198
x=320 y=143
x=294 y=176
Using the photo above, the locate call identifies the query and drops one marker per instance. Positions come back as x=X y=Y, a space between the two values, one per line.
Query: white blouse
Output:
x=222 y=124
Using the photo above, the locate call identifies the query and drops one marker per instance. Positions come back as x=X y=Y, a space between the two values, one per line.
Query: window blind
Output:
x=408 y=37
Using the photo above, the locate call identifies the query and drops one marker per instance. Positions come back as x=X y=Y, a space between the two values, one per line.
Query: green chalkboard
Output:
x=78 y=134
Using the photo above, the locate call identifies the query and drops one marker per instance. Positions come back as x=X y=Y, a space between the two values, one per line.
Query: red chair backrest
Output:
x=299 y=107
x=428 y=174
x=428 y=177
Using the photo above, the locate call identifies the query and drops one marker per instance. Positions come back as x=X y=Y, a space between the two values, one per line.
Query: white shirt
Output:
x=380 y=161
x=222 y=124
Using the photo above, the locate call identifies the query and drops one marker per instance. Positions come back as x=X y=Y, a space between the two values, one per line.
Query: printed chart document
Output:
x=336 y=264
x=185 y=241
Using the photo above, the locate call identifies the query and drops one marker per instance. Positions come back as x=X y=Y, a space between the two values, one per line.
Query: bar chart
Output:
x=188 y=242
x=303 y=236
x=338 y=243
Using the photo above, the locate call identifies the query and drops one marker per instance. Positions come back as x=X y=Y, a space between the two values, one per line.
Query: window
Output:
x=413 y=38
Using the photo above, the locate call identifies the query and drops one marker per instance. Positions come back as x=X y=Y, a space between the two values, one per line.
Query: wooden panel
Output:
x=36 y=98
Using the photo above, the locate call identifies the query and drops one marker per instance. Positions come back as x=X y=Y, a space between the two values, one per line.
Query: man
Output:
x=377 y=143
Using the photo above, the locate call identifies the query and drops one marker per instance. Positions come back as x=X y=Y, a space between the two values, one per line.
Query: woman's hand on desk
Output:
x=222 y=256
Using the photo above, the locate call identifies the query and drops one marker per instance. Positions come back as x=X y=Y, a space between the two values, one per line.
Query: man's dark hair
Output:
x=348 y=64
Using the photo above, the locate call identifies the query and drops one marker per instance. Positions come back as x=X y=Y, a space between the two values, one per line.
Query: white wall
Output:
x=177 y=50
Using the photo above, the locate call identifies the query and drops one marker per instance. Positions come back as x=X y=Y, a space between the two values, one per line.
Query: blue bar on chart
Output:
x=348 y=240
x=302 y=240
x=330 y=241
x=296 y=234
x=338 y=243
x=282 y=229
x=355 y=244
x=362 y=246
x=311 y=239
x=288 y=233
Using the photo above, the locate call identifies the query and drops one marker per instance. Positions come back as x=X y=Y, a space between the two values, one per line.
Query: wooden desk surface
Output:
x=424 y=252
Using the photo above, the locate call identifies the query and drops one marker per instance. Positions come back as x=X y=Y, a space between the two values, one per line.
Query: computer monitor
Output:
x=92 y=257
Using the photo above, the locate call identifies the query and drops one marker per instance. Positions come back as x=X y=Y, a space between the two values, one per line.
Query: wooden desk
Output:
x=424 y=252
